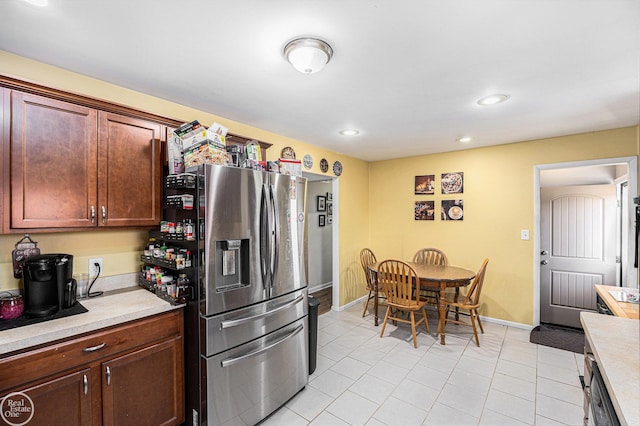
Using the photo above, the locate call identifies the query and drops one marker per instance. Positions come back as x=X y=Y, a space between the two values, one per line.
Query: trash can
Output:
x=313 y=332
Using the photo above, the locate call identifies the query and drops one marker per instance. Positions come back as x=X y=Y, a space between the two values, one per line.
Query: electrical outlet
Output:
x=524 y=234
x=93 y=270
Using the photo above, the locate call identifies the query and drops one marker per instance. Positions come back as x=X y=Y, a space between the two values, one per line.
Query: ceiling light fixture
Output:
x=308 y=55
x=349 y=132
x=464 y=139
x=493 y=99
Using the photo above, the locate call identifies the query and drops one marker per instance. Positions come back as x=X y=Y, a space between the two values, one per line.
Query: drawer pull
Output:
x=85 y=384
x=94 y=348
x=233 y=323
x=231 y=361
x=108 y=372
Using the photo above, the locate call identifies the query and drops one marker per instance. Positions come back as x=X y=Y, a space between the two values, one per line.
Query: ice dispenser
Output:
x=232 y=266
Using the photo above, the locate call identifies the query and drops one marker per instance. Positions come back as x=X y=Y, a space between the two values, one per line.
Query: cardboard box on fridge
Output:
x=205 y=152
x=174 y=151
x=188 y=129
x=204 y=136
x=290 y=167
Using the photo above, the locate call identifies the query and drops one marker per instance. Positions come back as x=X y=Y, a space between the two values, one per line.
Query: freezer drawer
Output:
x=247 y=383
x=222 y=332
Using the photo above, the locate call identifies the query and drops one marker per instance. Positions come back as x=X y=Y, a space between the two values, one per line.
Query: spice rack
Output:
x=171 y=249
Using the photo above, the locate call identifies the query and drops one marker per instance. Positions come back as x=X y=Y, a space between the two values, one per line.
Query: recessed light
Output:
x=464 y=139
x=493 y=99
x=349 y=132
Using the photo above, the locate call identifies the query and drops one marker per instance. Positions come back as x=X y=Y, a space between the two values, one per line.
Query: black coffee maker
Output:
x=48 y=284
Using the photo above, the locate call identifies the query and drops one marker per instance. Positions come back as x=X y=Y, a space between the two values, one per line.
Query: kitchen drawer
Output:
x=233 y=328
x=247 y=383
x=42 y=362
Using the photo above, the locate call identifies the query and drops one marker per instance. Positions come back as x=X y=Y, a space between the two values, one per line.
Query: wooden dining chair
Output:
x=368 y=258
x=398 y=280
x=470 y=303
x=430 y=256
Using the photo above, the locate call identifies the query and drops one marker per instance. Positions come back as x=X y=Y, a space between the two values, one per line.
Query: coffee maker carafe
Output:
x=48 y=284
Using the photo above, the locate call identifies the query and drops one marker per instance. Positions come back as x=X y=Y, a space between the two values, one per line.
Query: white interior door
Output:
x=577 y=243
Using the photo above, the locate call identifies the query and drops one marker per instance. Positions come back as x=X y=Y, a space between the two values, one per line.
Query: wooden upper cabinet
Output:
x=73 y=166
x=53 y=151
x=129 y=171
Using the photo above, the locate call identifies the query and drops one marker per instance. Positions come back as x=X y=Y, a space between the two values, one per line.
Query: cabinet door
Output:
x=4 y=160
x=145 y=387
x=129 y=170
x=65 y=400
x=53 y=151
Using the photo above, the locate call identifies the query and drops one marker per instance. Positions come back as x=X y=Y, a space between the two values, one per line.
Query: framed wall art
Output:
x=424 y=185
x=452 y=210
x=321 y=220
x=424 y=210
x=329 y=208
x=452 y=183
x=321 y=203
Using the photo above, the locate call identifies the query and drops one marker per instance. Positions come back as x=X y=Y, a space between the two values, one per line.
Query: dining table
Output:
x=434 y=277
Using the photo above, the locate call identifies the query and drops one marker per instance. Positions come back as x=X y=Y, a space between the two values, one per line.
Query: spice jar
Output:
x=11 y=307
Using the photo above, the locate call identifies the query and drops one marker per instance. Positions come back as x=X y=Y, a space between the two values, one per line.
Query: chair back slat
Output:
x=473 y=295
x=398 y=279
x=431 y=256
x=368 y=258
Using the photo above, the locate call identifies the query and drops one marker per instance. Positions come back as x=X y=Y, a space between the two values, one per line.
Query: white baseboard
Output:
x=319 y=287
x=350 y=304
x=507 y=323
x=483 y=318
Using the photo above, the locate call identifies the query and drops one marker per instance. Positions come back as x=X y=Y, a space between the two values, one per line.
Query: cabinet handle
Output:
x=93 y=214
x=94 y=348
x=104 y=214
x=85 y=384
x=108 y=372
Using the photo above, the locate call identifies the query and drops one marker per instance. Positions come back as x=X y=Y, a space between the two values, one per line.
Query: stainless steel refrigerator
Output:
x=247 y=329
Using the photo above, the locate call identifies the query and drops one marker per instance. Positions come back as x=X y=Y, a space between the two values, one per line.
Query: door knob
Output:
x=544 y=252
x=544 y=262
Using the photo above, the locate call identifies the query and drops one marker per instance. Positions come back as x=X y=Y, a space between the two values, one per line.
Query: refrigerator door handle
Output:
x=264 y=237
x=275 y=241
x=233 y=323
x=231 y=361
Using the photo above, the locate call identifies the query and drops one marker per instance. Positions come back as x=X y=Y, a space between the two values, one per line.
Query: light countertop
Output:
x=615 y=343
x=619 y=309
x=104 y=311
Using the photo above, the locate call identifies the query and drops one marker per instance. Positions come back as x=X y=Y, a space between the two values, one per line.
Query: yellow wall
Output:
x=374 y=203
x=498 y=203
x=121 y=249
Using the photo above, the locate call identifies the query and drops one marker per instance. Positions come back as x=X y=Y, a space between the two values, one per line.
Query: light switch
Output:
x=524 y=234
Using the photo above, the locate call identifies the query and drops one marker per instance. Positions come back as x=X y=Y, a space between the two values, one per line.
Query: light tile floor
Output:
x=362 y=379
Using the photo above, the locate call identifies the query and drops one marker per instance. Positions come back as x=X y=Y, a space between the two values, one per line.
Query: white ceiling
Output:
x=406 y=73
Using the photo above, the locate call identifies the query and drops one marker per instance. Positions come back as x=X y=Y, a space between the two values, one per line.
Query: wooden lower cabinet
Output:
x=63 y=400
x=143 y=387
x=138 y=380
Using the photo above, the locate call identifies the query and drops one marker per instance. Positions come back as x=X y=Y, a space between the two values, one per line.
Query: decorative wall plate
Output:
x=337 y=168
x=324 y=165
x=307 y=161
x=288 y=153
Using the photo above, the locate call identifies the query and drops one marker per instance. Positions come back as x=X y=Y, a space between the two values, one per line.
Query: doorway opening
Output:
x=621 y=175
x=322 y=261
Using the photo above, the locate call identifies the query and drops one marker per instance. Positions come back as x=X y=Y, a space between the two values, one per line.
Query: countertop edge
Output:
x=618 y=360
x=105 y=311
